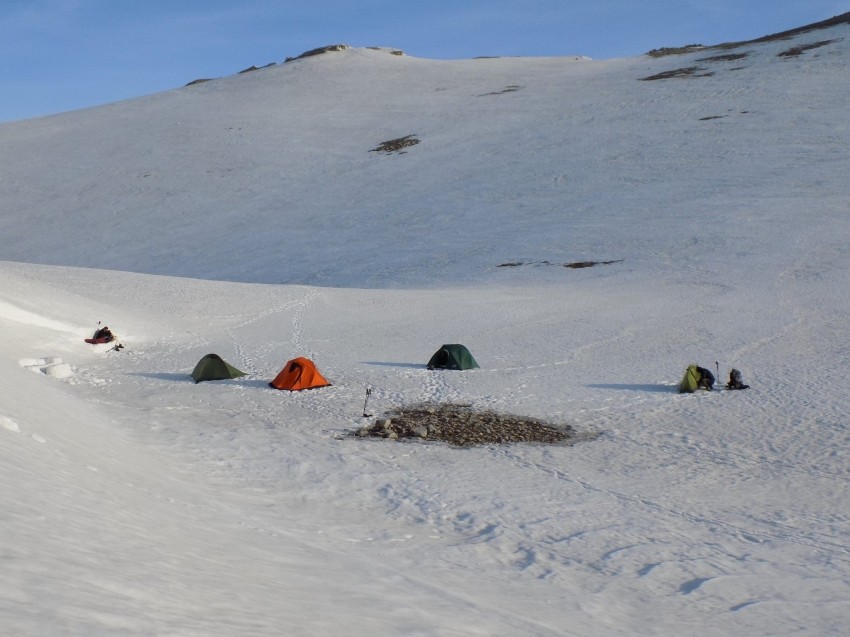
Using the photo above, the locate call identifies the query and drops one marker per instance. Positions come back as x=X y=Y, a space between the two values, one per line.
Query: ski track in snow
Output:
x=773 y=531
x=246 y=362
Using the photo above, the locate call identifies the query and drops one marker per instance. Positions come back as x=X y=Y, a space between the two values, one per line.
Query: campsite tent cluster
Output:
x=301 y=373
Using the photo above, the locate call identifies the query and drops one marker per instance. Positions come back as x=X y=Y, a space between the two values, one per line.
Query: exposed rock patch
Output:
x=727 y=57
x=395 y=145
x=575 y=265
x=843 y=18
x=588 y=264
x=462 y=426
x=674 y=50
x=390 y=51
x=513 y=88
x=799 y=50
x=319 y=51
x=256 y=68
x=689 y=71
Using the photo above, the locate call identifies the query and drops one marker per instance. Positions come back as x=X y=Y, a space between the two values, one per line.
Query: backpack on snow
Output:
x=104 y=335
x=736 y=380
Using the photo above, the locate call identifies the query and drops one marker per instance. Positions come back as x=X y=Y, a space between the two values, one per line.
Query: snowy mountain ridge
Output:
x=552 y=141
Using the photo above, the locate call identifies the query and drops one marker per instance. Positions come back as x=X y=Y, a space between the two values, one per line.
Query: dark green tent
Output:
x=213 y=367
x=452 y=356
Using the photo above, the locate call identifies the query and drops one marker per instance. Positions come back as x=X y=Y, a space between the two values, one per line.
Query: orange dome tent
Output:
x=299 y=373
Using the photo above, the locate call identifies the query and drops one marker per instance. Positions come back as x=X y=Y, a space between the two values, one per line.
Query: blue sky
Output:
x=60 y=55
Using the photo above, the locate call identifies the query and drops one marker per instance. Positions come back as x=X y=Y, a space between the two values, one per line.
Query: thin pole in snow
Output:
x=368 y=393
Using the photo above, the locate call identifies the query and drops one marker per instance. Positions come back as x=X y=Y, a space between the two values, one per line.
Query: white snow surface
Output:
x=247 y=217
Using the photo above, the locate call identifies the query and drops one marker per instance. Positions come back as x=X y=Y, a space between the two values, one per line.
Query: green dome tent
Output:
x=696 y=377
x=690 y=381
x=452 y=356
x=213 y=367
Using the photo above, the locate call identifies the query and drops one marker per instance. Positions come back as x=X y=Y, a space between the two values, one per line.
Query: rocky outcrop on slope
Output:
x=844 y=18
x=319 y=51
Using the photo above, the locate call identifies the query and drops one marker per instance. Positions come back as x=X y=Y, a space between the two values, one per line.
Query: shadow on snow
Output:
x=635 y=387
x=388 y=364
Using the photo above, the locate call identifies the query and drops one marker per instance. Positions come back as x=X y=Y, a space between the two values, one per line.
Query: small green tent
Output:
x=213 y=367
x=690 y=383
x=452 y=356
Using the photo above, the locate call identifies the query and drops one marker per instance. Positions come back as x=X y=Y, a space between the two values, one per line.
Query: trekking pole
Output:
x=717 y=366
x=368 y=393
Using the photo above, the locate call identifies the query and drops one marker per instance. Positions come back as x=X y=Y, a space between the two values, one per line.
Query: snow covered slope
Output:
x=540 y=159
x=251 y=216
